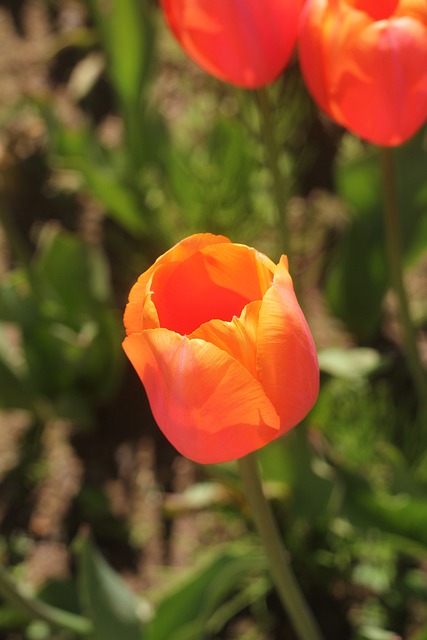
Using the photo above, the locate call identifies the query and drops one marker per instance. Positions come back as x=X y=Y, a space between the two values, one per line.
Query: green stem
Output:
x=394 y=250
x=272 y=152
x=40 y=610
x=290 y=594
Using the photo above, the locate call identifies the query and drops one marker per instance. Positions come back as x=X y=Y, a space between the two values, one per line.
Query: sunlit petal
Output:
x=136 y=315
x=365 y=64
x=206 y=403
x=237 y=338
x=287 y=359
x=245 y=42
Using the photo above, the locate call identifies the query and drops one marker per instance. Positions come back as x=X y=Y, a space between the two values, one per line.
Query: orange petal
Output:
x=242 y=42
x=216 y=282
x=239 y=268
x=186 y=296
x=287 y=360
x=237 y=338
x=380 y=80
x=137 y=317
x=378 y=10
x=368 y=74
x=207 y=404
x=312 y=51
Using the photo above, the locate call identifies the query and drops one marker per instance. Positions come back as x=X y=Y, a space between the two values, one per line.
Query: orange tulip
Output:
x=215 y=333
x=365 y=63
x=245 y=42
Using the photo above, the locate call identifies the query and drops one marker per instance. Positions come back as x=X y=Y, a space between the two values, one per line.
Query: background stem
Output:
x=290 y=594
x=394 y=251
x=272 y=153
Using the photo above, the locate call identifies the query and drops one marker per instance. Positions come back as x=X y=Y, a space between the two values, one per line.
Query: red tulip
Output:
x=215 y=333
x=365 y=63
x=245 y=42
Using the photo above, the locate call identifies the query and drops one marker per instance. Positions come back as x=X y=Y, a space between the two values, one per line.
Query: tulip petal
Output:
x=381 y=80
x=206 y=403
x=312 y=51
x=185 y=296
x=237 y=338
x=214 y=283
x=137 y=317
x=368 y=74
x=239 y=41
x=287 y=361
x=239 y=268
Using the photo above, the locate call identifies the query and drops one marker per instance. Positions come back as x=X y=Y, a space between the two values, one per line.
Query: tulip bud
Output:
x=245 y=42
x=217 y=337
x=365 y=63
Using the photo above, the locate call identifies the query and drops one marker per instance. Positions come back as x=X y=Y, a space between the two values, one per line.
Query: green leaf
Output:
x=369 y=632
x=103 y=173
x=350 y=363
x=292 y=461
x=420 y=635
x=212 y=185
x=185 y=611
x=127 y=35
x=111 y=606
x=402 y=515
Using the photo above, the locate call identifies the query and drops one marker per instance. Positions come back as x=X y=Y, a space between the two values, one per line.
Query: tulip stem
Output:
x=287 y=586
x=272 y=154
x=394 y=250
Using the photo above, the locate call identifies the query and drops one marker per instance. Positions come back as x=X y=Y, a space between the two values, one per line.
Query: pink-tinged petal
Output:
x=245 y=42
x=365 y=64
x=206 y=403
x=380 y=82
x=237 y=338
x=312 y=51
x=287 y=360
x=137 y=317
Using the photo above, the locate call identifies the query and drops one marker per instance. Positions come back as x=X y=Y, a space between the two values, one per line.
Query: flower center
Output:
x=186 y=296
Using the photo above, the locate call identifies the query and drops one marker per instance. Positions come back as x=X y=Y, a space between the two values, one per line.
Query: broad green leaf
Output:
x=402 y=515
x=107 y=601
x=127 y=34
x=62 y=264
x=291 y=460
x=184 y=612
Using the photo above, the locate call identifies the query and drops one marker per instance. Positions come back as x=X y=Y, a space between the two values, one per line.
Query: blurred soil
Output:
x=128 y=467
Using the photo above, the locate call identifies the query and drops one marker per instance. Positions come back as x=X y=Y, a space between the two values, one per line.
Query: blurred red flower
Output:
x=365 y=63
x=245 y=42
x=215 y=333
